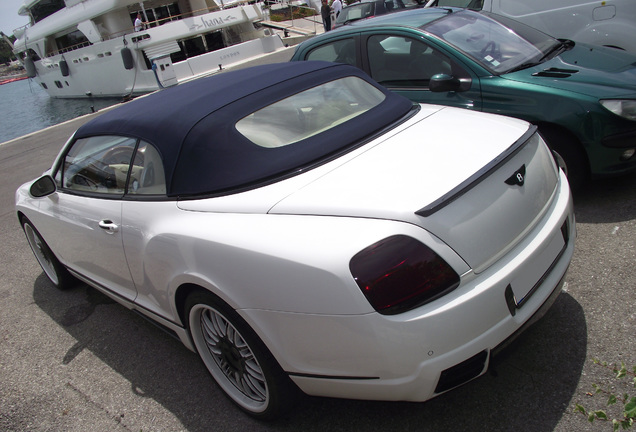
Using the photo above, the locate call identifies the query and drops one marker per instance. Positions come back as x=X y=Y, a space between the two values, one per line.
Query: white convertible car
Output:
x=300 y=227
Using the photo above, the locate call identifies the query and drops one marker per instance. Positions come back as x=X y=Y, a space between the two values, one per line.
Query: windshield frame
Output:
x=522 y=44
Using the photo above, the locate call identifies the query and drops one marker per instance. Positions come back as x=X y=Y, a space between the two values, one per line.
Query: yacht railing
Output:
x=70 y=48
x=18 y=32
x=151 y=24
x=166 y=20
x=156 y=23
x=308 y=16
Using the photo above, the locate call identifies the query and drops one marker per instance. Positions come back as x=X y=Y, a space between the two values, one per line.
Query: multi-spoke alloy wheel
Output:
x=235 y=356
x=54 y=270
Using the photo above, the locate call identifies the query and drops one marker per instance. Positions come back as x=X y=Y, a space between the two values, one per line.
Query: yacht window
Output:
x=71 y=41
x=44 y=8
x=158 y=15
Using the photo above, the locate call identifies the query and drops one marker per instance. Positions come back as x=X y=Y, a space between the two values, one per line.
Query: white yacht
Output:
x=93 y=48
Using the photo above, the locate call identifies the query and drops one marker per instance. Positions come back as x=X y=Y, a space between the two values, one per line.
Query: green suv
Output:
x=582 y=97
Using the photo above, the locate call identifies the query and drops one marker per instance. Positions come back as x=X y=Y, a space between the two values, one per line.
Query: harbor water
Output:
x=25 y=108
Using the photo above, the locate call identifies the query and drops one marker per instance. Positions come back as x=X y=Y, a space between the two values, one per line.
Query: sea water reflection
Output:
x=25 y=107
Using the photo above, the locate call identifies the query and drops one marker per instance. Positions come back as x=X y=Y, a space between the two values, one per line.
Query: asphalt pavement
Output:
x=76 y=361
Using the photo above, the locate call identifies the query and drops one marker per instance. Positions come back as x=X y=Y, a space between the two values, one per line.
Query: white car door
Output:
x=84 y=226
x=87 y=237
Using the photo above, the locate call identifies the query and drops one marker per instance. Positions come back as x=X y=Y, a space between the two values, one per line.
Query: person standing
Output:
x=139 y=25
x=325 y=11
x=337 y=7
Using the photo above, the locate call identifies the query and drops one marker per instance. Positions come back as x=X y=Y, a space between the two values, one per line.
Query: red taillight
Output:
x=399 y=273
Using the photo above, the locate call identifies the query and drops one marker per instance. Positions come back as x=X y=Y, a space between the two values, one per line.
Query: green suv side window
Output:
x=399 y=62
x=340 y=51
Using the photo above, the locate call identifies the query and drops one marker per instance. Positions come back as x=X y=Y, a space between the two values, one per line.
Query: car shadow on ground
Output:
x=528 y=387
x=606 y=200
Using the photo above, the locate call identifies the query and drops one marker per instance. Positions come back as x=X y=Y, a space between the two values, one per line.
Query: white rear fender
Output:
x=297 y=264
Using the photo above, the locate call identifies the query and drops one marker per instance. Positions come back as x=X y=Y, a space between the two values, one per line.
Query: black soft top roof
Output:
x=193 y=126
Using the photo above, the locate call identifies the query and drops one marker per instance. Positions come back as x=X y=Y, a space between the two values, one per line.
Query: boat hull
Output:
x=104 y=74
x=100 y=69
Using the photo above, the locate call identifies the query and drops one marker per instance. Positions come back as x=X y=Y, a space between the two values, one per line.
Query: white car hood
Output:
x=417 y=165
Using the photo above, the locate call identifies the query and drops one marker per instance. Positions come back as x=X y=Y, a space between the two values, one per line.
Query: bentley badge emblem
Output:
x=518 y=177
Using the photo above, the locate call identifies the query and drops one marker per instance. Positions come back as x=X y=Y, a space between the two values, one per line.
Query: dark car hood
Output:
x=587 y=69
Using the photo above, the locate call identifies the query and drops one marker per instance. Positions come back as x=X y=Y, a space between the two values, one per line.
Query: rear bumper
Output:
x=421 y=353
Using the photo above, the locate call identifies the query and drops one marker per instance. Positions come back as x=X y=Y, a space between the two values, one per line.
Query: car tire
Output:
x=567 y=155
x=52 y=267
x=237 y=359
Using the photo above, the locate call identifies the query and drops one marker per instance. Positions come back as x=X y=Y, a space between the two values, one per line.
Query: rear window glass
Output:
x=356 y=12
x=309 y=112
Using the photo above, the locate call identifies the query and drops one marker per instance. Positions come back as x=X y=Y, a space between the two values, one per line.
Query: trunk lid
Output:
x=445 y=172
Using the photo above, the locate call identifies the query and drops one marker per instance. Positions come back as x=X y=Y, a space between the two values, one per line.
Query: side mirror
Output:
x=441 y=83
x=42 y=187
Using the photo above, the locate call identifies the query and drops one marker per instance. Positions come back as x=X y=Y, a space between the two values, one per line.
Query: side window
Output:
x=341 y=51
x=147 y=175
x=97 y=164
x=397 y=61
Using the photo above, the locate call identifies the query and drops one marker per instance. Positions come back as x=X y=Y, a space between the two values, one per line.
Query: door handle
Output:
x=109 y=226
